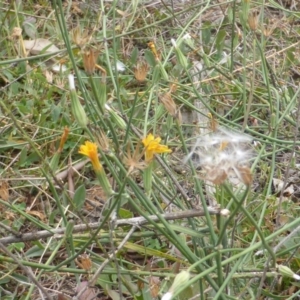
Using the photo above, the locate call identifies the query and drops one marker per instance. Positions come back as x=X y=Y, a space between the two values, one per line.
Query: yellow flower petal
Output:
x=89 y=149
x=153 y=146
x=148 y=139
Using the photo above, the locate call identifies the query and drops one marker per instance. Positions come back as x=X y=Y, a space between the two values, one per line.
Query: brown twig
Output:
x=137 y=221
x=63 y=174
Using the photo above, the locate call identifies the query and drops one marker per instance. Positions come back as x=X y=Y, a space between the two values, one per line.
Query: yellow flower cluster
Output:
x=152 y=146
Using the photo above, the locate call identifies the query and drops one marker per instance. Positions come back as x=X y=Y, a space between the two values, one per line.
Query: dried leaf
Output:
x=253 y=20
x=40 y=45
x=154 y=284
x=16 y=32
x=212 y=123
x=61 y=297
x=141 y=71
x=173 y=88
x=168 y=103
x=290 y=190
x=113 y=294
x=29 y=26
x=49 y=76
x=36 y=213
x=84 y=262
x=80 y=38
x=89 y=58
x=88 y=294
x=76 y=9
x=9 y=216
x=278 y=184
x=122 y=13
x=245 y=175
x=140 y=284
x=170 y=106
x=216 y=176
x=4 y=190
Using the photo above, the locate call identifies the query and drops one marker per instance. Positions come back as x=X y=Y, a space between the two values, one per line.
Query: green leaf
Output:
x=30 y=27
x=18 y=223
x=220 y=40
x=104 y=281
x=125 y=214
x=149 y=251
x=32 y=158
x=146 y=294
x=20 y=278
x=134 y=55
x=34 y=251
x=290 y=54
x=206 y=32
x=79 y=197
x=55 y=112
x=17 y=246
x=23 y=157
x=186 y=294
x=113 y=294
x=150 y=58
x=4 y=280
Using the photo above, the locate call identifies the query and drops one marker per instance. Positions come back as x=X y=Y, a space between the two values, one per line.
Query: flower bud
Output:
x=153 y=49
x=167 y=296
x=286 y=271
x=180 y=280
x=156 y=74
x=116 y=118
x=63 y=139
x=76 y=107
x=253 y=20
x=170 y=106
x=187 y=39
x=101 y=97
x=179 y=55
x=89 y=58
x=89 y=149
x=163 y=71
x=54 y=161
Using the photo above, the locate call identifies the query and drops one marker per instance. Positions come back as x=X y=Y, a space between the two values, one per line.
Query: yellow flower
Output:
x=152 y=47
x=152 y=147
x=89 y=149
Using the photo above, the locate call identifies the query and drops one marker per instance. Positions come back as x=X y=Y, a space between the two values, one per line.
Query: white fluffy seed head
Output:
x=222 y=150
